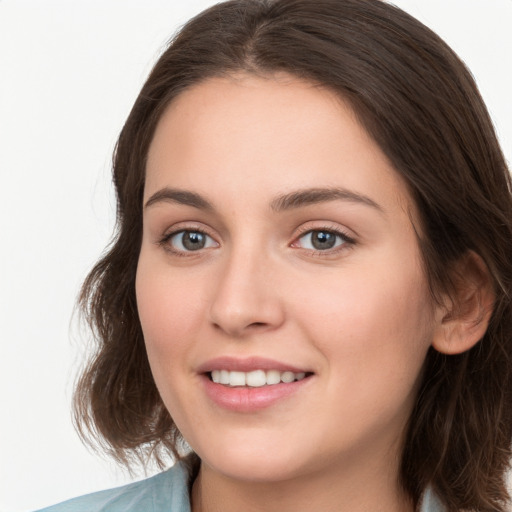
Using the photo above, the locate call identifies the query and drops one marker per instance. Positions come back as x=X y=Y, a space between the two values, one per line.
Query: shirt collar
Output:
x=430 y=502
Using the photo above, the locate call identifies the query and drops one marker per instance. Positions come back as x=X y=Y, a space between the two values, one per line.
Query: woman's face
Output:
x=279 y=258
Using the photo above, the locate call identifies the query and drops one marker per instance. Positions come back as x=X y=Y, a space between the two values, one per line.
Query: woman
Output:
x=310 y=286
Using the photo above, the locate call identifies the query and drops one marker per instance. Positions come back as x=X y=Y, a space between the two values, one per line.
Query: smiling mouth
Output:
x=255 y=378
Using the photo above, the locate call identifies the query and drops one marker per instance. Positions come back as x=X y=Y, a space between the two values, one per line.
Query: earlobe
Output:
x=463 y=320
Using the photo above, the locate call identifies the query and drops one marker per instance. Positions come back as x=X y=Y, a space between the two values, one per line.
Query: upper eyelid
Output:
x=348 y=241
x=186 y=226
x=344 y=232
x=164 y=242
x=165 y=238
x=303 y=229
x=175 y=233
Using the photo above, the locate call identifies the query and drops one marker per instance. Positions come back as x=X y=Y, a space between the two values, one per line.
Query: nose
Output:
x=246 y=298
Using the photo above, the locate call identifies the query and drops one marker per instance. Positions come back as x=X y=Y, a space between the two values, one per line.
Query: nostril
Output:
x=258 y=324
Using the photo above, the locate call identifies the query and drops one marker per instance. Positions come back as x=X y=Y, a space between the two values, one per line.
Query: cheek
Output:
x=374 y=324
x=170 y=312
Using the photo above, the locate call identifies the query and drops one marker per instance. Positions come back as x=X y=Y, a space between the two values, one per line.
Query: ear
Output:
x=464 y=317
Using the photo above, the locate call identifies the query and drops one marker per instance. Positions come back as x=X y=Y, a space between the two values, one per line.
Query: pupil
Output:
x=193 y=241
x=323 y=240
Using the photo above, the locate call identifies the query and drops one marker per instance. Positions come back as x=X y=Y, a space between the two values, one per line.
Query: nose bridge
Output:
x=245 y=297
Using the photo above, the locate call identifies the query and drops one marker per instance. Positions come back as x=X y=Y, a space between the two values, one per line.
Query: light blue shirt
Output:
x=165 y=492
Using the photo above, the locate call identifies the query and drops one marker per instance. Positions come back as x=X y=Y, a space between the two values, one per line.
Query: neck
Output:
x=354 y=489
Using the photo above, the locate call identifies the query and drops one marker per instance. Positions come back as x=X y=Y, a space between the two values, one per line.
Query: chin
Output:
x=254 y=462
x=259 y=469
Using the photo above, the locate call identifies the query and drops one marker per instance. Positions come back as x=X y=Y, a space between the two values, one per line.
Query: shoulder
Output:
x=167 y=491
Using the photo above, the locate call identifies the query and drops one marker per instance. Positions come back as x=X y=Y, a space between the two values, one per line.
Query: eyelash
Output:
x=347 y=241
x=164 y=241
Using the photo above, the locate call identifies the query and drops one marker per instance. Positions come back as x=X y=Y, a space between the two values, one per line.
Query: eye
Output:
x=189 y=241
x=322 y=240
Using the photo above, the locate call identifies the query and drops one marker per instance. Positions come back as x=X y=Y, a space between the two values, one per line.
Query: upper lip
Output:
x=247 y=364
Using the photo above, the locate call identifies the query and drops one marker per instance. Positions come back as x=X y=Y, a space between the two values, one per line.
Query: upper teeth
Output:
x=255 y=378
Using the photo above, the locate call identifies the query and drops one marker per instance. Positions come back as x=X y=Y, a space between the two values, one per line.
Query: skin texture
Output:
x=358 y=316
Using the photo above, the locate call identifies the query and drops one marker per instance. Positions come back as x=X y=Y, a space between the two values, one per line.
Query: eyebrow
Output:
x=311 y=196
x=289 y=201
x=184 y=197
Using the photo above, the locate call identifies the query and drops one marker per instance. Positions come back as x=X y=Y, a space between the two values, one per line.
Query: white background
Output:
x=69 y=73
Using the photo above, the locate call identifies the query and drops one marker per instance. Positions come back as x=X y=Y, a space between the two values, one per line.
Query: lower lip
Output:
x=248 y=399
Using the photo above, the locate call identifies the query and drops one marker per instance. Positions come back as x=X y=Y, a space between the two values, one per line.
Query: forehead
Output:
x=266 y=134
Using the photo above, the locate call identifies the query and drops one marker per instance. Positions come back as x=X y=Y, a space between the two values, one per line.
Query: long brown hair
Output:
x=420 y=104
